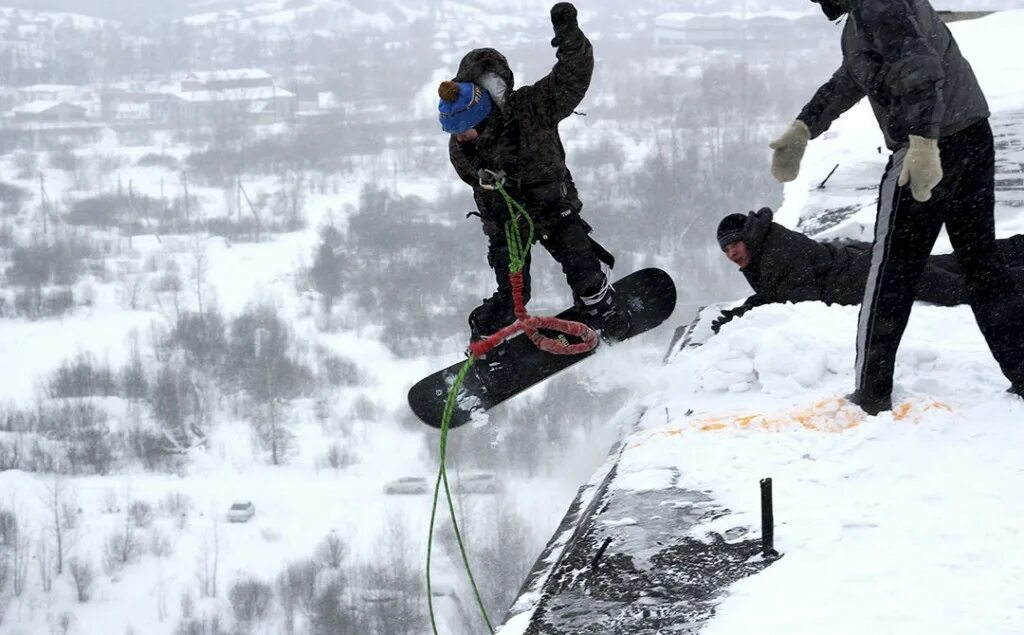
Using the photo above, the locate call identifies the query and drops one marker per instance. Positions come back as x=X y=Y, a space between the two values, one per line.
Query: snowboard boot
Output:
x=870 y=405
x=1016 y=389
x=608 y=317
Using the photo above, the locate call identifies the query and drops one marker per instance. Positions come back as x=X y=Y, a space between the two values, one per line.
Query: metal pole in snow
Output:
x=767 y=520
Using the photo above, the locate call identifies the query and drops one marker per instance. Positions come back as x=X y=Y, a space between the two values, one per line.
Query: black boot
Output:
x=870 y=405
x=1016 y=389
x=608 y=317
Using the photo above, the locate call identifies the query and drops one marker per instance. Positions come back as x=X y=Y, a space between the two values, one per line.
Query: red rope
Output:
x=531 y=325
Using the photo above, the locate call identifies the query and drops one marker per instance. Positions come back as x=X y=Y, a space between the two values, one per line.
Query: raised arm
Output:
x=554 y=97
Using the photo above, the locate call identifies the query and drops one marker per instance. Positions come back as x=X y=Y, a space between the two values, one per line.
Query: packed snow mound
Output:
x=785 y=351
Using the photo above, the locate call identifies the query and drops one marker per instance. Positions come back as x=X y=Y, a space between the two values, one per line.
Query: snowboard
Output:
x=650 y=296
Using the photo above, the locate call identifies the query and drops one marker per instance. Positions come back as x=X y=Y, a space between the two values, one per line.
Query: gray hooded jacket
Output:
x=901 y=56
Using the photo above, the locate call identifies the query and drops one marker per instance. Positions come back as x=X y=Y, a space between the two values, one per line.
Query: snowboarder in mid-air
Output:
x=903 y=58
x=509 y=136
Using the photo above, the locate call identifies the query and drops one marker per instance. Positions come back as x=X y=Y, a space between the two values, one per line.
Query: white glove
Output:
x=789 y=151
x=922 y=168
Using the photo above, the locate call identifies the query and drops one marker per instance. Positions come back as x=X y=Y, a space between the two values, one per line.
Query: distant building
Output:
x=49 y=92
x=227 y=79
x=192 y=109
x=20 y=134
x=49 y=111
x=735 y=30
x=200 y=99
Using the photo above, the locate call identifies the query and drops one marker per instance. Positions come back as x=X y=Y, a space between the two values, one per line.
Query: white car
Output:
x=478 y=483
x=241 y=512
x=407 y=485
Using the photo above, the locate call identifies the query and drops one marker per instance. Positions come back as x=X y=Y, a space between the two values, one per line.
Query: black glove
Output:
x=563 y=19
x=726 y=317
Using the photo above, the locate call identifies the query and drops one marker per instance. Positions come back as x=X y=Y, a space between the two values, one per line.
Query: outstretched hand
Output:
x=564 y=22
x=724 y=318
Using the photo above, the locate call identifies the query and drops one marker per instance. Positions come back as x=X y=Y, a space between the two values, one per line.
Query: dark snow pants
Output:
x=905 y=231
x=569 y=243
x=943 y=283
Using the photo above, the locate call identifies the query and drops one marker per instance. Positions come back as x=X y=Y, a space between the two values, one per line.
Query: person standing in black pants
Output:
x=900 y=55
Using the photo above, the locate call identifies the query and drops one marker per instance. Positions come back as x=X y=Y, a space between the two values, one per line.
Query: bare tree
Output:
x=250 y=600
x=332 y=551
x=64 y=622
x=297 y=588
x=6 y=571
x=84 y=577
x=61 y=519
x=330 y=615
x=20 y=558
x=200 y=267
x=8 y=526
x=397 y=575
x=44 y=558
x=326 y=273
x=123 y=546
x=141 y=513
x=160 y=544
x=133 y=287
x=209 y=561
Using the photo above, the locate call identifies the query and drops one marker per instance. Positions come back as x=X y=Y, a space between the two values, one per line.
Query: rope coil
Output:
x=519 y=250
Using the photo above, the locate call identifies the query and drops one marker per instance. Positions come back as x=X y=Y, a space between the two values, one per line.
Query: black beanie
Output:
x=730 y=229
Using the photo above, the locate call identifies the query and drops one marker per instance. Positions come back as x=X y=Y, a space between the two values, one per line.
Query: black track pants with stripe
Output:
x=905 y=232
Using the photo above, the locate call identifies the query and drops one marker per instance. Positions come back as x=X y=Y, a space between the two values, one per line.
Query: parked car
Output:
x=407 y=485
x=241 y=512
x=478 y=483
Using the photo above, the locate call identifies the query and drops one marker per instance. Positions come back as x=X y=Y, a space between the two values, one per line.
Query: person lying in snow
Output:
x=783 y=265
x=504 y=134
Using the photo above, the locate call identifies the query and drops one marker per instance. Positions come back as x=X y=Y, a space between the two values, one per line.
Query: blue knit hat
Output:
x=463 y=106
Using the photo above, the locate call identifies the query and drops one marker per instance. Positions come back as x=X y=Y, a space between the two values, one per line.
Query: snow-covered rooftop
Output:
x=39 y=107
x=232 y=74
x=233 y=94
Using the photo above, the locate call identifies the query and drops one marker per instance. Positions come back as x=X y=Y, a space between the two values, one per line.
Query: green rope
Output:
x=519 y=250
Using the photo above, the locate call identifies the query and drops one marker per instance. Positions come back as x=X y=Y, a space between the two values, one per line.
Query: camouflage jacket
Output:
x=521 y=137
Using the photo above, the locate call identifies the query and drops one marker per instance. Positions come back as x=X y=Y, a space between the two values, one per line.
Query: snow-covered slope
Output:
x=901 y=523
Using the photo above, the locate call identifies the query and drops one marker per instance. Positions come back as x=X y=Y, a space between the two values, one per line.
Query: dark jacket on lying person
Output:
x=787 y=266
